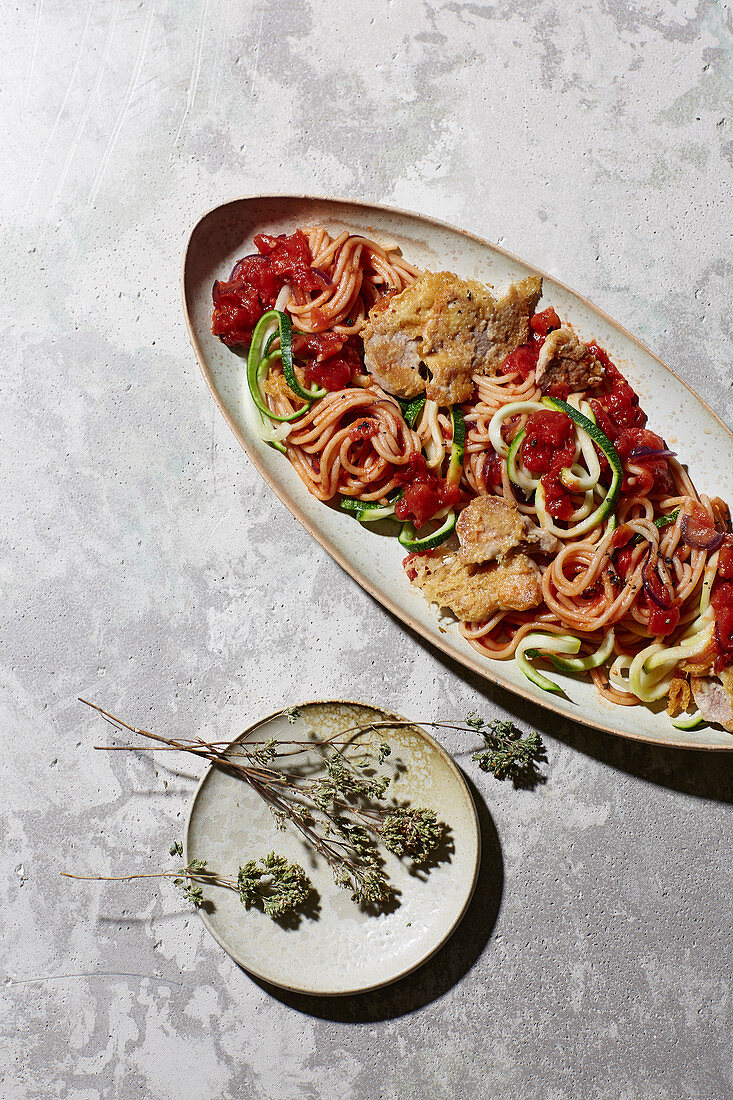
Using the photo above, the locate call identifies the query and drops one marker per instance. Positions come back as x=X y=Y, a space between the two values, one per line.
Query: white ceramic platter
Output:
x=334 y=947
x=690 y=427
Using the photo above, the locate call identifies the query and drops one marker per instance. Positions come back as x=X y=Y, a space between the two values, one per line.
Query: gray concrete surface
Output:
x=145 y=565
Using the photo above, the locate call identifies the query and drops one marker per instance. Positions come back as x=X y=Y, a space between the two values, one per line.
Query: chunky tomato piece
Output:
x=558 y=499
x=240 y=302
x=425 y=492
x=545 y=434
x=491 y=471
x=523 y=360
x=722 y=595
x=338 y=363
x=333 y=374
x=616 y=407
x=662 y=621
x=420 y=502
x=724 y=638
x=255 y=283
x=290 y=260
x=725 y=559
x=548 y=445
x=318 y=345
x=623 y=561
x=722 y=602
x=698 y=526
x=364 y=428
x=655 y=478
x=544 y=322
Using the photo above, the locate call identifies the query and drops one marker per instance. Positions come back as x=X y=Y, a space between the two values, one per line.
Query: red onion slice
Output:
x=323 y=277
x=663 y=602
x=651 y=452
x=237 y=269
x=697 y=541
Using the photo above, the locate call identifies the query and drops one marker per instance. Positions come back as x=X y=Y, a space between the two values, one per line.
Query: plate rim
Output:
x=446 y=759
x=467 y=660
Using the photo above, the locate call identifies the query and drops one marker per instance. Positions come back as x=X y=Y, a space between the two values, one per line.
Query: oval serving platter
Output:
x=690 y=427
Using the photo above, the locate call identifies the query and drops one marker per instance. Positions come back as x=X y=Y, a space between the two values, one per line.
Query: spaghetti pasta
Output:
x=641 y=568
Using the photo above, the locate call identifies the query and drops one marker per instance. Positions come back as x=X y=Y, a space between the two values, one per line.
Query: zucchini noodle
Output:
x=592 y=621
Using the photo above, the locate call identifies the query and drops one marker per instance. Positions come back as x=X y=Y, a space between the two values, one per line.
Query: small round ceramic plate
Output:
x=333 y=947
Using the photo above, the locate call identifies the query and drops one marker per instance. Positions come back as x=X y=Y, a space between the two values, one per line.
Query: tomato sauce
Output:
x=256 y=281
x=425 y=492
x=548 y=446
x=524 y=358
x=616 y=407
x=725 y=559
x=655 y=479
x=722 y=601
x=364 y=428
x=336 y=361
x=491 y=471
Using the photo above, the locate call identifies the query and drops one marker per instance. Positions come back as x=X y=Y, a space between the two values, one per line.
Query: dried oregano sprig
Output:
x=508 y=755
x=338 y=812
x=273 y=884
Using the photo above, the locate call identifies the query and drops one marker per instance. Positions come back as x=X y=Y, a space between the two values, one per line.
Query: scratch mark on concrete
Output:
x=62 y=108
x=131 y=85
x=93 y=974
x=36 y=29
x=200 y=31
x=82 y=123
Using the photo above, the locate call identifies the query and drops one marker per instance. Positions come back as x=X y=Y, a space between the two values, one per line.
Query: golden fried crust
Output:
x=455 y=336
x=275 y=385
x=476 y=592
x=678 y=696
x=564 y=361
x=456 y=327
x=489 y=527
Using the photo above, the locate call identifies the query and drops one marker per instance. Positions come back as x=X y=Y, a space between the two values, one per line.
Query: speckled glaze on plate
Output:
x=690 y=427
x=335 y=948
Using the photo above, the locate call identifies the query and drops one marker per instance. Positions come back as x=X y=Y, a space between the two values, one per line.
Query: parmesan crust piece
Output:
x=490 y=527
x=678 y=696
x=476 y=592
x=455 y=327
x=564 y=361
x=275 y=385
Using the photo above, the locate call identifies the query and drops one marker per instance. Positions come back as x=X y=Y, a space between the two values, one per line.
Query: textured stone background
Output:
x=145 y=565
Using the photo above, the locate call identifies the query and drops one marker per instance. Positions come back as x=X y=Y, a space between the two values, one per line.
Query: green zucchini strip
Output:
x=412 y=409
x=428 y=542
x=521 y=478
x=606 y=508
x=258 y=364
x=593 y=660
x=286 y=351
x=535 y=645
x=368 y=511
x=269 y=326
x=458 y=446
x=687 y=721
